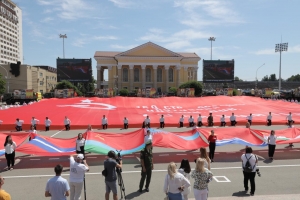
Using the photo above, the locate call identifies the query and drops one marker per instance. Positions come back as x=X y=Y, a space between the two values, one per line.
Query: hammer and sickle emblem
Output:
x=98 y=136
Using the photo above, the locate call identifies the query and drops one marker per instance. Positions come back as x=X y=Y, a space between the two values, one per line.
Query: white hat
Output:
x=80 y=156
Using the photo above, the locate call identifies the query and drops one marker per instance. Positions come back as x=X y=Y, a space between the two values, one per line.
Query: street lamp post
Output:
x=211 y=39
x=7 y=78
x=280 y=47
x=63 y=37
x=256 y=75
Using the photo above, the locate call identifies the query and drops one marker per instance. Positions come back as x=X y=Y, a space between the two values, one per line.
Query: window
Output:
x=136 y=75
x=125 y=75
x=170 y=75
x=148 y=75
x=41 y=82
x=159 y=75
x=125 y=88
x=136 y=88
x=41 y=74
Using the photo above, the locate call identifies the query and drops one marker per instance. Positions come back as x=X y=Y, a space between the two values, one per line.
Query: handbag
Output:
x=104 y=172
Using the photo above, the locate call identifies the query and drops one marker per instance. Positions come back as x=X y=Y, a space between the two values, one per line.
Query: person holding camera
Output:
x=110 y=165
x=147 y=165
x=249 y=162
x=78 y=168
x=175 y=183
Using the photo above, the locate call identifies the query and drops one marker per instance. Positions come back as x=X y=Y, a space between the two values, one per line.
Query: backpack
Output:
x=248 y=168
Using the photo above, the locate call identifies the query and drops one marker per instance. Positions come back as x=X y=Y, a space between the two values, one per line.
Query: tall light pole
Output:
x=7 y=78
x=256 y=75
x=211 y=39
x=63 y=37
x=280 y=47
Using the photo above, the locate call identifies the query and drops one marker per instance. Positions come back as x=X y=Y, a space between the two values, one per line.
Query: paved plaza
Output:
x=280 y=177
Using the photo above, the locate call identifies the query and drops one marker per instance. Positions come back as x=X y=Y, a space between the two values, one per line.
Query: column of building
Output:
x=167 y=77
x=143 y=76
x=196 y=73
x=178 y=67
x=131 y=77
x=155 y=76
x=118 y=78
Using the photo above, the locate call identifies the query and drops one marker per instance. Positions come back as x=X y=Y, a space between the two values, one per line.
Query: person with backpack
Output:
x=249 y=163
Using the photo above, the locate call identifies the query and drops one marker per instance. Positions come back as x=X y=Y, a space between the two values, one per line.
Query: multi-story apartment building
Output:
x=11 y=45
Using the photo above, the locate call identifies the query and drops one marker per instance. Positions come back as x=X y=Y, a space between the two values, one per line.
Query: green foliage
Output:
x=193 y=84
x=123 y=92
x=234 y=92
x=68 y=85
x=272 y=77
x=294 y=78
x=173 y=90
x=2 y=85
x=237 y=79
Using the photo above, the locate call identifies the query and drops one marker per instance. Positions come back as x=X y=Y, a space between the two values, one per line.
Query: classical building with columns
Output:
x=146 y=66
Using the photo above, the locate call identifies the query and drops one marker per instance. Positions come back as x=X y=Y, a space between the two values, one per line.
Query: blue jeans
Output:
x=176 y=196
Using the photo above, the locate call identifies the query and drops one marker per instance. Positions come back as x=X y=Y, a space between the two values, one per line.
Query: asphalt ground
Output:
x=279 y=177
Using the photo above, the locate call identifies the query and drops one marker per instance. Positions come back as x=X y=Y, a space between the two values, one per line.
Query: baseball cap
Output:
x=80 y=156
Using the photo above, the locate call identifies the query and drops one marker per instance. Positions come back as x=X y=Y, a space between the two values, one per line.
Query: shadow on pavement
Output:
x=133 y=195
x=240 y=194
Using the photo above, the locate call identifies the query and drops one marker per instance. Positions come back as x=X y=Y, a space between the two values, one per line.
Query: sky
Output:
x=245 y=31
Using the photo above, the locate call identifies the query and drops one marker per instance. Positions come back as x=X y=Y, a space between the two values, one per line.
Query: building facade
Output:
x=146 y=66
x=11 y=44
x=39 y=78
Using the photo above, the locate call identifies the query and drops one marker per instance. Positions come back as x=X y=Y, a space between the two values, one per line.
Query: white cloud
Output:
x=177 y=44
x=207 y=13
x=109 y=37
x=292 y=49
x=204 y=53
x=122 y=3
x=47 y=19
x=123 y=47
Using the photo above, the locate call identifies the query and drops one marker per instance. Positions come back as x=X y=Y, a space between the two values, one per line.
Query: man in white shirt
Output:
x=233 y=120
x=78 y=168
x=125 y=121
x=191 y=121
x=222 y=120
x=19 y=124
x=249 y=172
x=199 y=121
x=147 y=122
x=67 y=123
x=34 y=122
x=290 y=119
x=148 y=137
x=249 y=118
x=162 y=121
x=47 y=123
x=269 y=119
x=57 y=187
x=181 y=120
x=104 y=122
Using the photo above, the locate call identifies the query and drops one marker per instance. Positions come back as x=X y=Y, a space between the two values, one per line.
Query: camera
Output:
x=118 y=160
x=258 y=172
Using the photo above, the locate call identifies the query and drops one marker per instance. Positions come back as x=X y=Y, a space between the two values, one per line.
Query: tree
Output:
x=265 y=78
x=294 y=78
x=123 y=92
x=2 y=85
x=173 y=90
x=68 y=85
x=273 y=77
x=193 y=84
x=237 y=79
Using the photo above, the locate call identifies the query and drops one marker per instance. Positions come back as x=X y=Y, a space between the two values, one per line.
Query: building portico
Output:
x=146 y=66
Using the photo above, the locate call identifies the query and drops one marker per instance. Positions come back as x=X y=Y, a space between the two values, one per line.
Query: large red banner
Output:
x=84 y=111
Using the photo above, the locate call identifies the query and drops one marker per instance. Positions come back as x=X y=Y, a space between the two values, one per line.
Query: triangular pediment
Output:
x=148 y=49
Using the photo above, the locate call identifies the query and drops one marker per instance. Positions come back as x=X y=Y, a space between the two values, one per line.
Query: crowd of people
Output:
x=177 y=184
